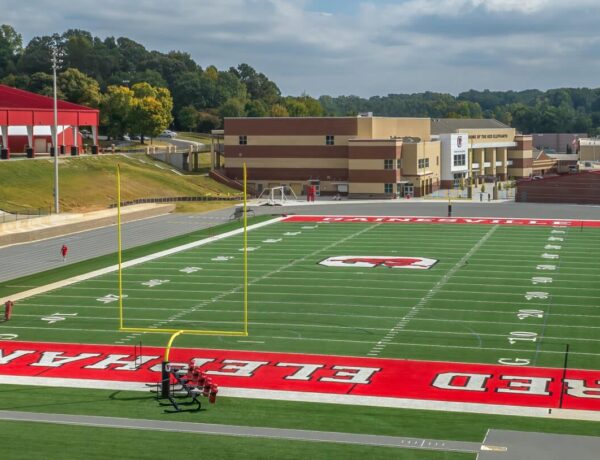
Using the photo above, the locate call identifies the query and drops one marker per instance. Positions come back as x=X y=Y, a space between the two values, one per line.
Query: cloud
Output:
x=364 y=47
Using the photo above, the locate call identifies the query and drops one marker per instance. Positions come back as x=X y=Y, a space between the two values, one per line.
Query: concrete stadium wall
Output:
x=50 y=226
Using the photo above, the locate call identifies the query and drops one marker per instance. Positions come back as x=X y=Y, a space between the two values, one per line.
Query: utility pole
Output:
x=55 y=63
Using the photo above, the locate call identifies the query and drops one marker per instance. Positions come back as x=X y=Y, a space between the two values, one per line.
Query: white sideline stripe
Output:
x=326 y=398
x=131 y=263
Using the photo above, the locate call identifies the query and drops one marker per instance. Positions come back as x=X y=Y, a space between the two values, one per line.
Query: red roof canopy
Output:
x=19 y=107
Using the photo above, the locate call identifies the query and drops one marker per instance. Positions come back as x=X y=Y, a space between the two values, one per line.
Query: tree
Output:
x=188 y=118
x=43 y=83
x=207 y=121
x=229 y=87
x=79 y=88
x=151 y=110
x=278 y=110
x=195 y=88
x=232 y=108
x=313 y=106
x=115 y=110
x=79 y=50
x=212 y=73
x=36 y=56
x=256 y=109
x=11 y=47
x=152 y=77
x=295 y=107
x=257 y=84
x=147 y=117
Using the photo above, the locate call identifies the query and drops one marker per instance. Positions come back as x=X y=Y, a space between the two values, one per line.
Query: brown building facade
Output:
x=362 y=157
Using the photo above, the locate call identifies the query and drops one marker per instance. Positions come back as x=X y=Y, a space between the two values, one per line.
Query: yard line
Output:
x=415 y=310
x=277 y=270
x=547 y=310
x=316 y=287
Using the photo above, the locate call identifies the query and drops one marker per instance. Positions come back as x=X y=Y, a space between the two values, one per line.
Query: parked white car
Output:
x=168 y=133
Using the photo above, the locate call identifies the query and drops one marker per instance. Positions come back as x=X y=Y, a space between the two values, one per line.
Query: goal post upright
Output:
x=245 y=251
x=123 y=328
x=120 y=246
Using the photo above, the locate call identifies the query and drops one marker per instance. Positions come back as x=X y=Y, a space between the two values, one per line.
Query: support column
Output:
x=30 y=136
x=4 y=129
x=4 y=151
x=493 y=161
x=212 y=153
x=95 y=135
x=75 y=146
x=94 y=140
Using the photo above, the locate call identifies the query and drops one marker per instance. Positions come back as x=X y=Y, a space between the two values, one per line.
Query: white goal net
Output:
x=277 y=196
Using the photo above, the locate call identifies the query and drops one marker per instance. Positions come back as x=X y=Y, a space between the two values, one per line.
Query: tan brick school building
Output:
x=365 y=156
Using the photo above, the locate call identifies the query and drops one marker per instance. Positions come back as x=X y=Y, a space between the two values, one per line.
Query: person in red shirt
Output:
x=63 y=252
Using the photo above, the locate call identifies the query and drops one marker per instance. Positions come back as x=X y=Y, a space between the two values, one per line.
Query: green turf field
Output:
x=465 y=308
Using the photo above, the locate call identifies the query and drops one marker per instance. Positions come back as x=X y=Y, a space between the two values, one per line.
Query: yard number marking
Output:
x=8 y=336
x=536 y=295
x=222 y=258
x=55 y=317
x=153 y=283
x=515 y=362
x=522 y=336
x=189 y=270
x=525 y=313
x=546 y=267
x=109 y=298
x=291 y=233
x=553 y=246
x=555 y=238
x=541 y=280
x=272 y=240
x=549 y=256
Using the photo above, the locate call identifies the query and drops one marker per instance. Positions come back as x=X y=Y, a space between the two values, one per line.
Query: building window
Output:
x=329 y=140
x=423 y=163
x=388 y=164
x=388 y=188
x=243 y=140
x=399 y=163
x=460 y=160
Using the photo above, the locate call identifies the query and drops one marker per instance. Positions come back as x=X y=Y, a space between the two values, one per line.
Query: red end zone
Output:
x=444 y=220
x=334 y=375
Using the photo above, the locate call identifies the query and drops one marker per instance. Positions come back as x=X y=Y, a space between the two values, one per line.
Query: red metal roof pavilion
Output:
x=23 y=108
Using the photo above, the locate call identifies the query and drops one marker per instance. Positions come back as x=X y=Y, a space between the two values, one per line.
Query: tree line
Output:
x=143 y=92
x=566 y=110
x=140 y=91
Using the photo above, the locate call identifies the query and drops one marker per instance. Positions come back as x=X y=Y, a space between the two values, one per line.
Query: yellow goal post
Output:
x=123 y=328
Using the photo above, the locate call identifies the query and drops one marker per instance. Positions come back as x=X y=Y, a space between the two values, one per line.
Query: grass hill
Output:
x=89 y=183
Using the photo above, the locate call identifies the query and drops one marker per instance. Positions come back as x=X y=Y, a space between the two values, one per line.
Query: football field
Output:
x=477 y=291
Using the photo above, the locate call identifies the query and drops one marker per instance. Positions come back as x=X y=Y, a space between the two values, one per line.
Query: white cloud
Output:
x=375 y=48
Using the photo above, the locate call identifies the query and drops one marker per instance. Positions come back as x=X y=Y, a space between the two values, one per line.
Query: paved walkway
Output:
x=244 y=431
x=540 y=446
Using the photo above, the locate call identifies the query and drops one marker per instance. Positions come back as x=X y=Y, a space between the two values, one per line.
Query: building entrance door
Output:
x=405 y=189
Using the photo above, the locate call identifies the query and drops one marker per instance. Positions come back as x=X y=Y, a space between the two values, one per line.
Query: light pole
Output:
x=56 y=61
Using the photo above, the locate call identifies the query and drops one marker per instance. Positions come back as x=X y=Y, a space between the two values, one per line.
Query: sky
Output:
x=351 y=47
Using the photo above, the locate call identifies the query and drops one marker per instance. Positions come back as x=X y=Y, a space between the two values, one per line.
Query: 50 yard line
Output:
x=380 y=346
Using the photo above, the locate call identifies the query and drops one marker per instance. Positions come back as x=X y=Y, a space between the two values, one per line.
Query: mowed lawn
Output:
x=496 y=292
